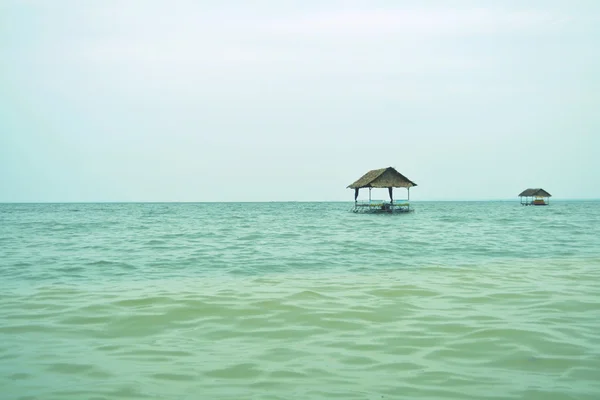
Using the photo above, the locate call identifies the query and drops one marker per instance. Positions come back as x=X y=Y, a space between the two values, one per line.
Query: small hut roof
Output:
x=534 y=192
x=382 y=178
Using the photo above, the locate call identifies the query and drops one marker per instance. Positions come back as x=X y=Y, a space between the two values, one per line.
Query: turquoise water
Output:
x=458 y=300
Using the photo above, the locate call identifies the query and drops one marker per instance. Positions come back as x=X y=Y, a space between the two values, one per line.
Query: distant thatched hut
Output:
x=537 y=197
x=382 y=178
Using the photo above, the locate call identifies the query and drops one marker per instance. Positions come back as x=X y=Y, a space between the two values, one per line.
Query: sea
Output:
x=457 y=300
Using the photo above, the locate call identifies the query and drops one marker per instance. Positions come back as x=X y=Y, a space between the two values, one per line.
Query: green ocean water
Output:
x=458 y=300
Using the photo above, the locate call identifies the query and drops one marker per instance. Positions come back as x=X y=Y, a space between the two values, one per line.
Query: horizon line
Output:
x=266 y=201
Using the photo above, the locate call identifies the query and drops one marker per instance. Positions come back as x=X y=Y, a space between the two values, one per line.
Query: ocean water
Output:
x=458 y=300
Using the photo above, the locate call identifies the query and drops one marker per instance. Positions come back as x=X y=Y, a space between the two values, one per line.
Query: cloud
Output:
x=325 y=41
x=157 y=35
x=426 y=22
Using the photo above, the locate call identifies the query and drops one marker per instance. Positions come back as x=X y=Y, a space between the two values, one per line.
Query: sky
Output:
x=144 y=100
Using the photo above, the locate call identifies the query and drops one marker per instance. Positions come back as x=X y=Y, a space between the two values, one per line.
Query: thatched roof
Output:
x=382 y=178
x=534 y=192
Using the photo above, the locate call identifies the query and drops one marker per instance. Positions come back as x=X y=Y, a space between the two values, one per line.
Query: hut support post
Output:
x=370 y=195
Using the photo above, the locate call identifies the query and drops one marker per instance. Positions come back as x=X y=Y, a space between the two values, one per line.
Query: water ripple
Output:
x=457 y=301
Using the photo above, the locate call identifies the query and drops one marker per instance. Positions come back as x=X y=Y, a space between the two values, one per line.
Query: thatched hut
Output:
x=382 y=178
x=539 y=197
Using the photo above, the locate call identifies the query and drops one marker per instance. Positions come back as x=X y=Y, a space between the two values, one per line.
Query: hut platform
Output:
x=535 y=197
x=380 y=206
x=383 y=178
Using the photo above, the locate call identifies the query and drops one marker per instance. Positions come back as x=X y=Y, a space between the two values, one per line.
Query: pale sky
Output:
x=117 y=100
